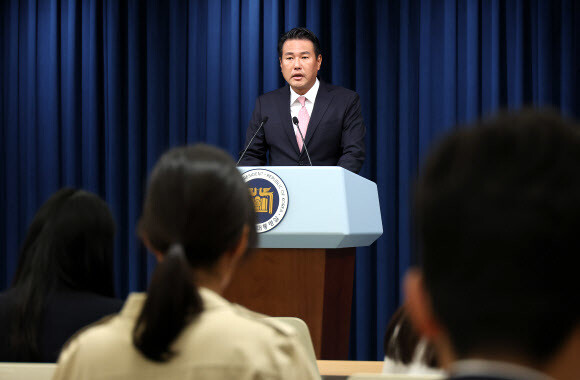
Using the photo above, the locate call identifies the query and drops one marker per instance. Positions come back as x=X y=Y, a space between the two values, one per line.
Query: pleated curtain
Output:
x=93 y=91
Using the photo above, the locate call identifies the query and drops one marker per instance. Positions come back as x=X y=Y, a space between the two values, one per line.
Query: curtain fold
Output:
x=94 y=91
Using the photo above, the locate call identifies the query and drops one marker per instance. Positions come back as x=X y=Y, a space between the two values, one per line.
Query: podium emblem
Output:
x=270 y=198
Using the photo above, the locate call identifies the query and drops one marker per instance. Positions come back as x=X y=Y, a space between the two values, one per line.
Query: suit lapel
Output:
x=283 y=103
x=323 y=99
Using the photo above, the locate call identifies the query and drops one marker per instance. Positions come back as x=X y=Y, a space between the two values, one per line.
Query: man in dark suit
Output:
x=498 y=211
x=328 y=116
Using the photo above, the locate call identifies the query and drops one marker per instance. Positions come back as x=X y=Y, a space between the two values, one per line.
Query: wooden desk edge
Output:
x=348 y=367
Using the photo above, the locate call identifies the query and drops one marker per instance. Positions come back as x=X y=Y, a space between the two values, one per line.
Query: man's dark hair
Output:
x=299 y=34
x=498 y=209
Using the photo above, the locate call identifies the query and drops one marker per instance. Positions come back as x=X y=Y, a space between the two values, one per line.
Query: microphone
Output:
x=264 y=120
x=295 y=121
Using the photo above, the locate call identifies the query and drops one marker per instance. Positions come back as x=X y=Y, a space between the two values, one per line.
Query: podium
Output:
x=304 y=267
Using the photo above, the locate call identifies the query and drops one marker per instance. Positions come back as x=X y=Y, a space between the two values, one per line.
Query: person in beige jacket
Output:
x=198 y=220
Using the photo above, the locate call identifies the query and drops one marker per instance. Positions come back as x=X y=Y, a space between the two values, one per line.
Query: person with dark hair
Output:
x=64 y=278
x=406 y=351
x=198 y=220
x=328 y=117
x=498 y=211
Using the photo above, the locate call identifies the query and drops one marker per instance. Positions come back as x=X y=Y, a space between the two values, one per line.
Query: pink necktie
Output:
x=303 y=119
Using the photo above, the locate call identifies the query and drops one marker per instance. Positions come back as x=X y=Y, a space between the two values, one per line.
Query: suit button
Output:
x=301 y=163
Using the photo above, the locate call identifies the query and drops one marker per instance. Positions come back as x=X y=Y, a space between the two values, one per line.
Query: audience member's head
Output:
x=498 y=211
x=68 y=246
x=198 y=219
x=405 y=350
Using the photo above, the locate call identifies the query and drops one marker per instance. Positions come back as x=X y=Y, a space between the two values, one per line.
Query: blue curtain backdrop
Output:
x=92 y=92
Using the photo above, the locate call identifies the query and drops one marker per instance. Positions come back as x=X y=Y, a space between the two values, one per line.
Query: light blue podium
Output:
x=305 y=265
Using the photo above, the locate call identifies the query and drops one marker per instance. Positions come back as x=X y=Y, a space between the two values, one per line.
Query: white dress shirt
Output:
x=309 y=104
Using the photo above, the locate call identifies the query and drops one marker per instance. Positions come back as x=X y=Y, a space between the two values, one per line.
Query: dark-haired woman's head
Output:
x=68 y=246
x=198 y=219
x=197 y=198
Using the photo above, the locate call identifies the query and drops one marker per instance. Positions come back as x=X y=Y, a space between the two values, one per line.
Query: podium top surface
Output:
x=328 y=207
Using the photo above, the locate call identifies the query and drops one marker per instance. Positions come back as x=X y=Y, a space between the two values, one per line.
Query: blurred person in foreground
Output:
x=498 y=208
x=64 y=278
x=198 y=220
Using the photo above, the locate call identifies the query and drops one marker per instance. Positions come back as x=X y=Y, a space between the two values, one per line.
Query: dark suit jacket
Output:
x=335 y=134
x=66 y=312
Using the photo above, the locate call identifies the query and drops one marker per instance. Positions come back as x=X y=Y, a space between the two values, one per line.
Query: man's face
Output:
x=299 y=64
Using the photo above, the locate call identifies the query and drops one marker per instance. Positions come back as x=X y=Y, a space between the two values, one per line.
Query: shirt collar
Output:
x=211 y=299
x=133 y=305
x=492 y=368
x=310 y=95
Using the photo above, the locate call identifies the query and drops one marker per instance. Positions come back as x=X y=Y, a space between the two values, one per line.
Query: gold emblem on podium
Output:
x=263 y=199
x=270 y=197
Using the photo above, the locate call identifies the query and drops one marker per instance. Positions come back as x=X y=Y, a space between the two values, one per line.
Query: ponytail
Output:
x=189 y=190
x=172 y=302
